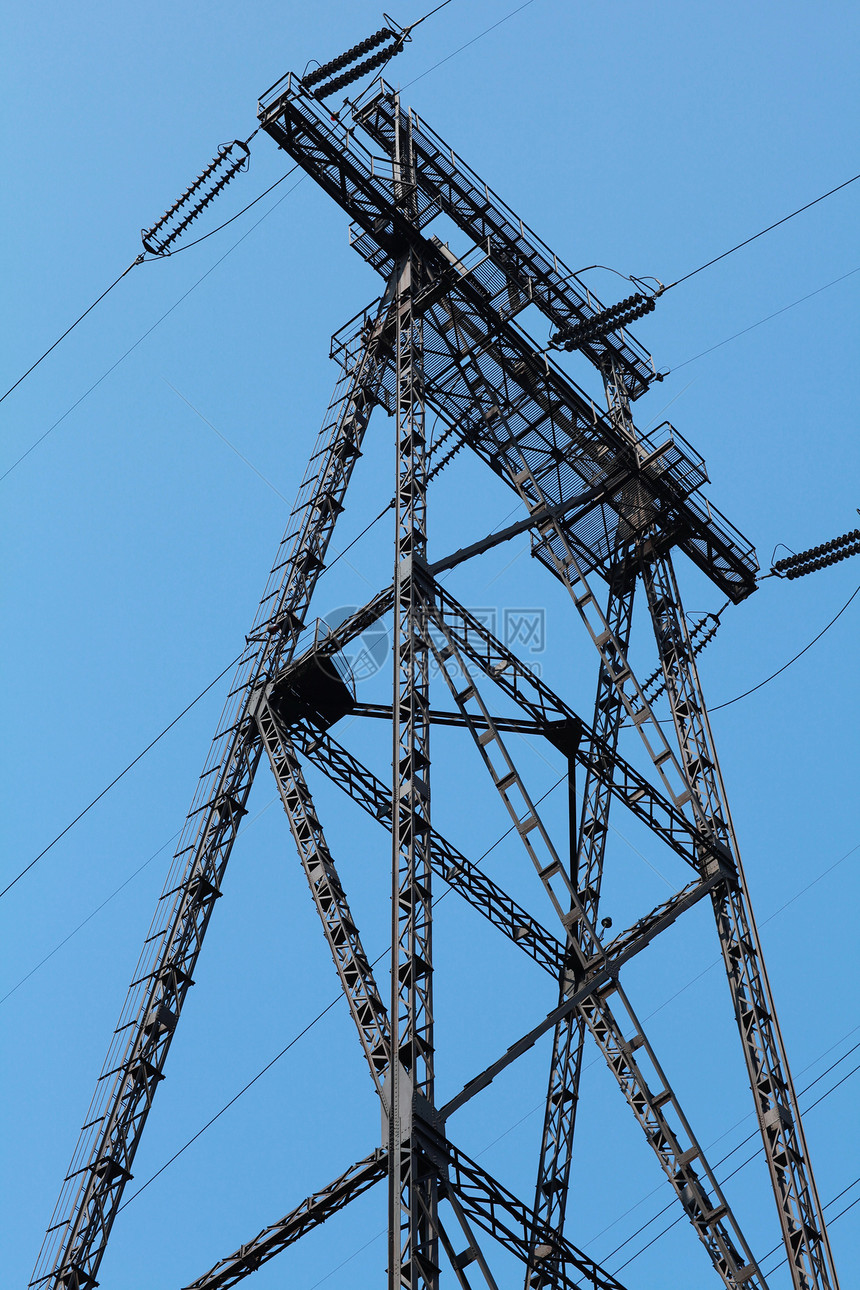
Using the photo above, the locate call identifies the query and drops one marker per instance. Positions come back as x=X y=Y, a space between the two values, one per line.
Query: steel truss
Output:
x=599 y=497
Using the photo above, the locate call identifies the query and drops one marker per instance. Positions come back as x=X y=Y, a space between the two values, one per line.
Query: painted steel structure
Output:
x=601 y=500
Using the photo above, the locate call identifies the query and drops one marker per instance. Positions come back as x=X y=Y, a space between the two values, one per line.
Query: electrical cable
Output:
x=140 y=260
x=376 y=961
x=233 y=1099
x=833 y=1220
x=738 y=1168
x=90 y=915
x=474 y=39
x=779 y=670
x=761 y=321
x=301 y=1033
x=188 y=245
x=151 y=329
x=118 y=777
x=112 y=895
x=419 y=21
x=762 y=232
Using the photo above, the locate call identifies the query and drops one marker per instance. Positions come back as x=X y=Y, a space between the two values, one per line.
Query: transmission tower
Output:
x=602 y=503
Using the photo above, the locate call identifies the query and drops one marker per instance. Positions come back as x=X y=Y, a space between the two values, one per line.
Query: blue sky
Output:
x=644 y=137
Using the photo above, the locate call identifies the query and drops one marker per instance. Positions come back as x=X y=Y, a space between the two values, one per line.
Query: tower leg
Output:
x=413 y=1192
x=101 y=1166
x=800 y=1212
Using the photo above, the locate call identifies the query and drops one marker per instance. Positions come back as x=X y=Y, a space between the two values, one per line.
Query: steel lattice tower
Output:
x=601 y=501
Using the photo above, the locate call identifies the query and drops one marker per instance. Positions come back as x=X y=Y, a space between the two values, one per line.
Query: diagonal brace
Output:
x=312 y=1211
x=352 y=964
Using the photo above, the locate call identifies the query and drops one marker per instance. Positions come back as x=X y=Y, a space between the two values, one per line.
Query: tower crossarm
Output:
x=310 y=1213
x=461 y=874
x=350 y=960
x=337 y=158
x=102 y=1162
x=800 y=1211
x=528 y=272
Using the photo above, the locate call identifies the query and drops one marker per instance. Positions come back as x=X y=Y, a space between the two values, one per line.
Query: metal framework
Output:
x=600 y=499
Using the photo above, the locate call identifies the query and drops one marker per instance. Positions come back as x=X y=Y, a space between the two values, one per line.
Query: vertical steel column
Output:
x=412 y=1236
x=588 y=844
x=800 y=1212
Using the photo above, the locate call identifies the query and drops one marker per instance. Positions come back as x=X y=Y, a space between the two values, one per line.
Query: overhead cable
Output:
x=50 y=350
x=767 y=318
x=118 y=777
x=800 y=654
x=716 y=259
x=157 y=323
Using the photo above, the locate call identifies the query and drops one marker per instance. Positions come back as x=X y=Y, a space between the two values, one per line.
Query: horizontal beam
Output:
x=512 y=725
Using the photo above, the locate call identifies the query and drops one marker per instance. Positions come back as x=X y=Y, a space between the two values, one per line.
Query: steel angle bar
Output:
x=588 y=844
x=473 y=1252
x=312 y=1212
x=102 y=1161
x=801 y=1215
x=496 y=1210
x=618 y=952
x=350 y=960
x=513 y=725
x=461 y=874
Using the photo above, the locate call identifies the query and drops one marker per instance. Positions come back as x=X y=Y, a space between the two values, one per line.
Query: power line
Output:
x=118 y=777
x=227 y=1105
x=835 y=1219
x=761 y=233
x=723 y=1160
x=112 y=896
x=779 y=670
x=340 y=554
x=243 y=211
x=379 y=959
x=736 y=1170
x=761 y=321
x=305 y=1030
x=151 y=329
x=473 y=41
x=140 y=260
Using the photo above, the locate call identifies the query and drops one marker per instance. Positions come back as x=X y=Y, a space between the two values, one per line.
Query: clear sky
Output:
x=645 y=137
